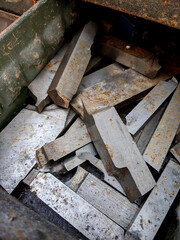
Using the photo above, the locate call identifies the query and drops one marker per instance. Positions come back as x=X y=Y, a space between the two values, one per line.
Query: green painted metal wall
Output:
x=26 y=46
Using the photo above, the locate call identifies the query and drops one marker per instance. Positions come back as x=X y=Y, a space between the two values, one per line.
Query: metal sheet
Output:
x=130 y=55
x=137 y=118
x=162 y=138
x=27 y=132
x=70 y=72
x=76 y=137
x=107 y=200
x=153 y=212
x=105 y=73
x=176 y=151
x=41 y=83
x=164 y=12
x=114 y=91
x=19 y=222
x=110 y=137
x=74 y=209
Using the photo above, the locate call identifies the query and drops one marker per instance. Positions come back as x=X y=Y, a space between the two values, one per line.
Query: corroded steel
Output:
x=130 y=55
x=19 y=222
x=165 y=12
x=74 y=209
x=136 y=119
x=157 y=205
x=76 y=137
x=27 y=45
x=73 y=66
x=164 y=134
x=16 y=6
x=6 y=19
x=19 y=140
x=114 y=91
x=39 y=86
x=111 y=137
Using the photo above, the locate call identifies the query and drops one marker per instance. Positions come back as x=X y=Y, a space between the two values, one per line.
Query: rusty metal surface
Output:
x=108 y=201
x=73 y=66
x=138 y=117
x=147 y=132
x=176 y=151
x=164 y=12
x=27 y=45
x=16 y=6
x=157 y=205
x=114 y=91
x=76 y=137
x=100 y=75
x=110 y=137
x=39 y=86
x=6 y=19
x=19 y=222
x=130 y=55
x=164 y=134
x=19 y=140
x=74 y=209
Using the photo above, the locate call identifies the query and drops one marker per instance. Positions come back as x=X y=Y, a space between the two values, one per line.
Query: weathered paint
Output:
x=27 y=45
x=164 y=12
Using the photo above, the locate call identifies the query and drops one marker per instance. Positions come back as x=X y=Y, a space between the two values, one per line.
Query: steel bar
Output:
x=130 y=55
x=153 y=212
x=94 y=62
x=109 y=179
x=83 y=154
x=73 y=66
x=6 y=19
x=27 y=132
x=137 y=118
x=107 y=200
x=162 y=138
x=74 y=209
x=155 y=10
x=110 y=137
x=16 y=6
x=38 y=88
x=176 y=151
x=26 y=47
x=19 y=222
x=115 y=91
x=148 y=131
x=105 y=73
x=76 y=137
x=75 y=182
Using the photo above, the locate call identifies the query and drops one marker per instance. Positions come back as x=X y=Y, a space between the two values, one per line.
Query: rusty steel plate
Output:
x=166 y=12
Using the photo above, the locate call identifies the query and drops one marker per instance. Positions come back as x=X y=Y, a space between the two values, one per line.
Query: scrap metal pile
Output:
x=116 y=128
